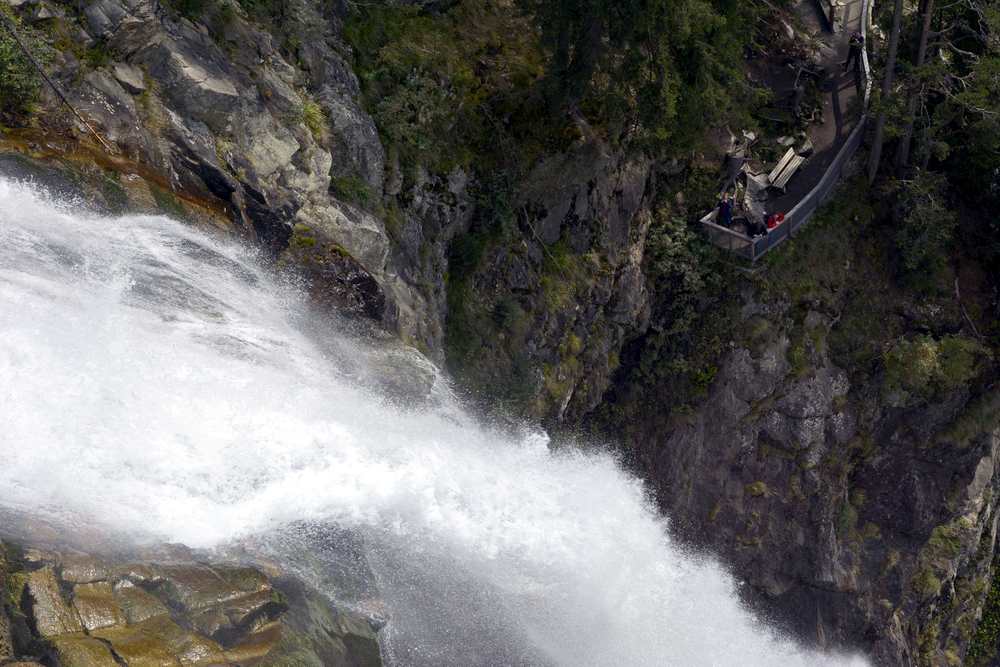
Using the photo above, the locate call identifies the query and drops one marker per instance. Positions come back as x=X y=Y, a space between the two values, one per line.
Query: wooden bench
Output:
x=785 y=169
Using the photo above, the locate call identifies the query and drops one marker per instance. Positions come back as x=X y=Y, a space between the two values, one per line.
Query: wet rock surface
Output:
x=222 y=117
x=175 y=613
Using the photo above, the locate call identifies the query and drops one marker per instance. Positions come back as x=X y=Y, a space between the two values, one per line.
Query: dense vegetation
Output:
x=942 y=136
x=450 y=86
x=652 y=72
x=19 y=81
x=494 y=88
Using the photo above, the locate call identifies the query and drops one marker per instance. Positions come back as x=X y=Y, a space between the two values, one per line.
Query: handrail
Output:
x=802 y=212
x=725 y=230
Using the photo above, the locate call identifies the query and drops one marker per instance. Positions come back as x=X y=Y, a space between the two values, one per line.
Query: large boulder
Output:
x=84 y=611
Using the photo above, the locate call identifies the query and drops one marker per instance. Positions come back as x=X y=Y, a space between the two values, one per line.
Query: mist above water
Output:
x=158 y=382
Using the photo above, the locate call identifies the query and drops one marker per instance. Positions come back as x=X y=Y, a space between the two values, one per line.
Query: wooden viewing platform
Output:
x=752 y=248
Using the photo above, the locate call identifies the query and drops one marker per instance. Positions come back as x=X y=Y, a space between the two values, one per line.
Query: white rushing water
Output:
x=156 y=381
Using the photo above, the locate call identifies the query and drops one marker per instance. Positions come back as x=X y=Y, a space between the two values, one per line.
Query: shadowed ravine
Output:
x=157 y=382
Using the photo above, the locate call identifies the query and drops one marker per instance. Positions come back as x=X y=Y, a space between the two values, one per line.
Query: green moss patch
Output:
x=353 y=190
x=168 y=203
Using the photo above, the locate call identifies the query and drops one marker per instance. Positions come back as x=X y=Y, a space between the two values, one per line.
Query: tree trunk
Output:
x=890 y=74
x=559 y=26
x=586 y=51
x=903 y=149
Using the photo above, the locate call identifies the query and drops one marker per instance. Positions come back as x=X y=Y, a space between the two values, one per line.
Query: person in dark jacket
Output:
x=725 y=217
x=756 y=228
x=855 y=44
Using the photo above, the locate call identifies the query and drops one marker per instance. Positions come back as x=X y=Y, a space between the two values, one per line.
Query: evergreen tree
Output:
x=648 y=69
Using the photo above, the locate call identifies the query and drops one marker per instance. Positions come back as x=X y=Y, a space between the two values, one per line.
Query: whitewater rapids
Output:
x=156 y=381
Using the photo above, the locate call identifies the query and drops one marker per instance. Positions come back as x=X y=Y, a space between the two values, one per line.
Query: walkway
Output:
x=838 y=114
x=834 y=140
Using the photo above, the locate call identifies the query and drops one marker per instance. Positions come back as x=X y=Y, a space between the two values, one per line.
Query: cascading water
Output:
x=156 y=382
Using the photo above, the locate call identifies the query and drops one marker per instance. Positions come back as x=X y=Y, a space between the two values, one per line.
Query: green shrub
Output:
x=263 y=10
x=19 y=81
x=926 y=583
x=945 y=542
x=911 y=365
x=920 y=368
x=959 y=360
x=847 y=520
x=191 y=9
x=97 y=55
x=224 y=16
x=509 y=315
x=675 y=266
x=314 y=118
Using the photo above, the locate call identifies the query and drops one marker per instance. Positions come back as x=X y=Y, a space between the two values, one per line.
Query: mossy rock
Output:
x=53 y=616
x=318 y=635
x=137 y=604
x=95 y=604
x=159 y=641
x=80 y=650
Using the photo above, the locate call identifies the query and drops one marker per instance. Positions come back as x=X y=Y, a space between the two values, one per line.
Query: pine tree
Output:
x=888 y=78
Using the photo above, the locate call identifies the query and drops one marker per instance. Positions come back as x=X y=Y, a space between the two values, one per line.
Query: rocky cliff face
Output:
x=543 y=306
x=862 y=524
x=843 y=458
x=217 y=110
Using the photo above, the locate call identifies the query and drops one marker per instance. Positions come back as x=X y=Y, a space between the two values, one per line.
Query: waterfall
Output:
x=158 y=382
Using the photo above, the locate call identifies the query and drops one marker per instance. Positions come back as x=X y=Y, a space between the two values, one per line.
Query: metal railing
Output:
x=753 y=248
